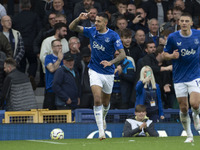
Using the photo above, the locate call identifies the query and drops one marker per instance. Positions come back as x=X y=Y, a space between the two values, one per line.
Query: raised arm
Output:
x=74 y=24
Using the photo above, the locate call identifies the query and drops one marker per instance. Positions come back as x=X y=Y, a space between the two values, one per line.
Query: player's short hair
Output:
x=126 y=32
x=186 y=14
x=140 y=108
x=10 y=61
x=103 y=14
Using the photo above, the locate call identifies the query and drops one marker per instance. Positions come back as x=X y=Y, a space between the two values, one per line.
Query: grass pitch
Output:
x=139 y=143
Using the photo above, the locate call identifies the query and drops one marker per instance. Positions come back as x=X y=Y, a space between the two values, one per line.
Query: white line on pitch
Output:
x=46 y=142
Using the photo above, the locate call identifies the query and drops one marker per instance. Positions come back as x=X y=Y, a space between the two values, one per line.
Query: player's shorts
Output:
x=103 y=80
x=182 y=89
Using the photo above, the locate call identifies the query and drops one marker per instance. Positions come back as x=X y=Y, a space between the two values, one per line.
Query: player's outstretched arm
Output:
x=74 y=24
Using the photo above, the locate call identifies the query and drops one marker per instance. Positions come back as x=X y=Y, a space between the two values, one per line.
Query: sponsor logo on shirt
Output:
x=118 y=43
x=196 y=41
x=179 y=43
x=97 y=46
x=185 y=52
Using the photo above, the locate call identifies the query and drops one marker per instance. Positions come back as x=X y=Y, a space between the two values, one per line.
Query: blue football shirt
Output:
x=103 y=47
x=186 y=68
x=51 y=58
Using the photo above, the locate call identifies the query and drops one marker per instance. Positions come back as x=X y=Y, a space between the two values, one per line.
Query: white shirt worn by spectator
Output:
x=46 y=48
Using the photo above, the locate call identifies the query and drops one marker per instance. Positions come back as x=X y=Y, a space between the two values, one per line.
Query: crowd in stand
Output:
x=42 y=32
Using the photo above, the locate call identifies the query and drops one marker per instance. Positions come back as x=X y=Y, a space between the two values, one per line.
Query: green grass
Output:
x=143 y=143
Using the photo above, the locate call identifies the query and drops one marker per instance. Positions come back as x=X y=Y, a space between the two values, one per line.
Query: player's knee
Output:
x=183 y=108
x=97 y=100
x=195 y=106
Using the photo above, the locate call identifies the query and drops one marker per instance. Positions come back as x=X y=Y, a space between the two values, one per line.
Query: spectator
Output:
x=163 y=75
x=87 y=100
x=139 y=125
x=52 y=63
x=148 y=94
x=170 y=21
x=156 y=9
x=42 y=8
x=185 y=5
x=14 y=37
x=85 y=5
x=2 y=11
x=131 y=8
x=45 y=32
x=126 y=37
x=58 y=8
x=177 y=12
x=74 y=48
x=122 y=7
x=150 y=48
x=60 y=33
x=130 y=12
x=140 y=21
x=153 y=34
x=5 y=45
x=139 y=46
x=123 y=84
x=66 y=85
x=62 y=18
x=28 y=24
x=195 y=11
x=121 y=24
x=5 y=51
x=17 y=90
x=90 y=22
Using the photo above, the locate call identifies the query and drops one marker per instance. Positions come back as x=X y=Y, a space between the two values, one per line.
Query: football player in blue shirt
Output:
x=183 y=48
x=104 y=42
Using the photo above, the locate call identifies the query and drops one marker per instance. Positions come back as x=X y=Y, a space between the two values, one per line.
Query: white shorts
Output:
x=102 y=80
x=182 y=89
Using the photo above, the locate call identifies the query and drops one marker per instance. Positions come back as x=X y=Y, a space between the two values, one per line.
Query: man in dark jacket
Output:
x=17 y=90
x=66 y=85
x=28 y=24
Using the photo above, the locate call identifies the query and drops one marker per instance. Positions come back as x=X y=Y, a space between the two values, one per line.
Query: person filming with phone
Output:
x=140 y=21
x=148 y=94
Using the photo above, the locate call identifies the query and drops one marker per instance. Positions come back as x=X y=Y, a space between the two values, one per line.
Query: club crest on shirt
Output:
x=107 y=39
x=196 y=41
x=179 y=43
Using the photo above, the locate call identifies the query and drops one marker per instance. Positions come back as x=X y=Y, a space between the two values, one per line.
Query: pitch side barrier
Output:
x=120 y=115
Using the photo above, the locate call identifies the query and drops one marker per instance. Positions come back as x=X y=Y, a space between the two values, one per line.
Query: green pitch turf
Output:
x=143 y=143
